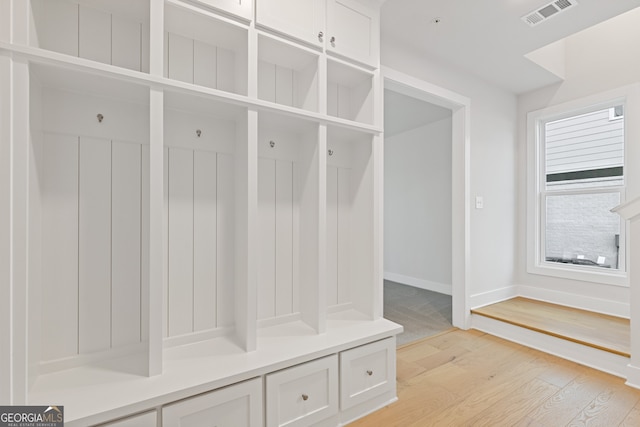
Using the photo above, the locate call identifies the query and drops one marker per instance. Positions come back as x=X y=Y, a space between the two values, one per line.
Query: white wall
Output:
x=417 y=207
x=598 y=59
x=493 y=166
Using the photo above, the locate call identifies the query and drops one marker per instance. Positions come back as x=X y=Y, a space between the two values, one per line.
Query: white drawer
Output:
x=366 y=372
x=304 y=394
x=238 y=405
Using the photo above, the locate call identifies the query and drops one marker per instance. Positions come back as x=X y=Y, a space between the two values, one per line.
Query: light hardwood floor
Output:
x=468 y=378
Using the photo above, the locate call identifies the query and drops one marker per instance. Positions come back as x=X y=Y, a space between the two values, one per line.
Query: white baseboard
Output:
x=492 y=297
x=597 y=305
x=633 y=376
x=441 y=288
x=584 y=355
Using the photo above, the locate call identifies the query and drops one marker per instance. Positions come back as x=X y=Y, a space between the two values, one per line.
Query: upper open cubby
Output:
x=350 y=221
x=287 y=73
x=88 y=211
x=288 y=207
x=350 y=92
x=114 y=32
x=204 y=49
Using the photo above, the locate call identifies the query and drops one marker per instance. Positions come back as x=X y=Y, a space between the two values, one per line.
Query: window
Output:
x=577 y=175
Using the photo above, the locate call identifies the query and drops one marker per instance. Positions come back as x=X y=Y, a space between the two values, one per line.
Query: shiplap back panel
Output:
x=200 y=233
x=91 y=33
x=276 y=228
x=94 y=266
x=92 y=248
x=60 y=247
x=338 y=226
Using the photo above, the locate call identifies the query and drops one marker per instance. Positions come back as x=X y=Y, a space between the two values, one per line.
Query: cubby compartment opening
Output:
x=204 y=49
x=350 y=92
x=287 y=74
x=200 y=138
x=288 y=211
x=350 y=222
x=114 y=32
x=88 y=288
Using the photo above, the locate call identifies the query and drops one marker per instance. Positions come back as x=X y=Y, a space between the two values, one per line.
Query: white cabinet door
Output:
x=353 y=31
x=366 y=372
x=241 y=8
x=148 y=419
x=239 y=405
x=303 y=395
x=302 y=19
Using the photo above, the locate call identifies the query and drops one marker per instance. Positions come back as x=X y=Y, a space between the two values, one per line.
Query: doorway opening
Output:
x=426 y=212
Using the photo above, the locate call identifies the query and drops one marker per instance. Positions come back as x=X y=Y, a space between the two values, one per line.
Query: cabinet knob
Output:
x=333 y=41
x=320 y=36
x=369 y=372
x=305 y=397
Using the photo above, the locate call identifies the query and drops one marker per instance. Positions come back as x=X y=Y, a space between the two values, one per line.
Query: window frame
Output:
x=537 y=193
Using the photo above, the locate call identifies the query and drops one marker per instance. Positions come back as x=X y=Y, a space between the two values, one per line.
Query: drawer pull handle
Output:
x=305 y=397
x=369 y=372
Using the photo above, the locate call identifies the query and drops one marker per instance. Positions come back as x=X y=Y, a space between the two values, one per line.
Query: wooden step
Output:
x=601 y=331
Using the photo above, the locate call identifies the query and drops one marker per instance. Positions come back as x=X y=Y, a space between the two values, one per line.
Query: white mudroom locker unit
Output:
x=192 y=204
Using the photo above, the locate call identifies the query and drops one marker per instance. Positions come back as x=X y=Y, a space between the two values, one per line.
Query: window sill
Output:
x=581 y=273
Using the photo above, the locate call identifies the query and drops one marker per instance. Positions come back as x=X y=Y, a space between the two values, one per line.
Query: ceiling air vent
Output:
x=547 y=11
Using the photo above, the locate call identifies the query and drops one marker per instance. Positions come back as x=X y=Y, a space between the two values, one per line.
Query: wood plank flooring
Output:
x=596 y=330
x=468 y=378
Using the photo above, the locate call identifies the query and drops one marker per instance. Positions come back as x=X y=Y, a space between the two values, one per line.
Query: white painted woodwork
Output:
x=366 y=372
x=181 y=234
x=205 y=257
x=94 y=34
x=241 y=8
x=302 y=19
x=126 y=250
x=354 y=29
x=302 y=395
x=148 y=419
x=166 y=226
x=238 y=405
x=126 y=43
x=56 y=26
x=60 y=247
x=94 y=245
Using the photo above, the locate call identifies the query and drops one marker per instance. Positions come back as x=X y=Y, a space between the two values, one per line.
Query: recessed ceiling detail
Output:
x=547 y=11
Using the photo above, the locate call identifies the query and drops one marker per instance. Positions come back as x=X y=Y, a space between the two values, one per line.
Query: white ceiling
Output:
x=402 y=113
x=487 y=37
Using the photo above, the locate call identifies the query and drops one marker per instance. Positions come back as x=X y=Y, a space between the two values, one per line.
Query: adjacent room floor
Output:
x=422 y=313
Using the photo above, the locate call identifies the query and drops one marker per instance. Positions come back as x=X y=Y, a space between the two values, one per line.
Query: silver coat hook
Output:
x=198 y=132
x=330 y=152
x=272 y=144
x=100 y=118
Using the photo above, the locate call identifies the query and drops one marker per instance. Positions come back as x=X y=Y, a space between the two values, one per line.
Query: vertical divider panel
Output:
x=94 y=247
x=343 y=216
x=126 y=246
x=284 y=238
x=156 y=265
x=204 y=240
x=246 y=209
x=6 y=83
x=156 y=39
x=332 y=236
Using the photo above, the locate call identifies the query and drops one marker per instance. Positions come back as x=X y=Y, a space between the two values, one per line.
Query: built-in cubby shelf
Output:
x=114 y=32
x=204 y=49
x=350 y=92
x=200 y=204
x=287 y=73
x=87 y=216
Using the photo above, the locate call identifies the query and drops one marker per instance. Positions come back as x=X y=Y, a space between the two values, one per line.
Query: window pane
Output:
x=580 y=229
x=586 y=150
